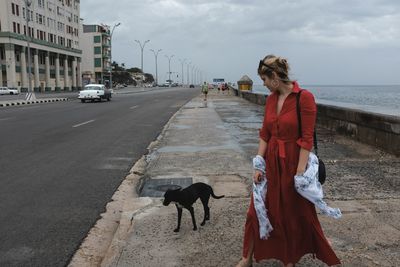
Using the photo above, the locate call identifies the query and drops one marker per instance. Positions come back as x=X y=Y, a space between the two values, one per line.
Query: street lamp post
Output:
x=30 y=95
x=182 y=62
x=193 y=73
x=155 y=56
x=142 y=47
x=187 y=72
x=111 y=35
x=169 y=67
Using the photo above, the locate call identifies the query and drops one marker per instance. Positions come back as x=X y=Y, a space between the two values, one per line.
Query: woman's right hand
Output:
x=257 y=176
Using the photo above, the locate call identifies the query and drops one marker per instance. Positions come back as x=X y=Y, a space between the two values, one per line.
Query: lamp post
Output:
x=111 y=35
x=182 y=62
x=187 y=72
x=142 y=47
x=155 y=56
x=169 y=67
x=30 y=95
x=193 y=73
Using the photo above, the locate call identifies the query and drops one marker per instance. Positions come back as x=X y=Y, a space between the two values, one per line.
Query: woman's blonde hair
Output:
x=272 y=63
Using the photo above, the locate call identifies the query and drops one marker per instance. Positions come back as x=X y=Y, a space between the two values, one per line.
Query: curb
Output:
x=28 y=102
x=119 y=240
x=106 y=240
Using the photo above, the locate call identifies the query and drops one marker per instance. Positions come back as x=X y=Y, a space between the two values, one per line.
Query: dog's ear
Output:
x=179 y=188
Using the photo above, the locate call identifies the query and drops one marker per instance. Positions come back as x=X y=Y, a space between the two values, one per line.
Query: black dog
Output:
x=184 y=198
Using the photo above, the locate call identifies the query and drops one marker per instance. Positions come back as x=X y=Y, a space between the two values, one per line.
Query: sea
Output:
x=382 y=99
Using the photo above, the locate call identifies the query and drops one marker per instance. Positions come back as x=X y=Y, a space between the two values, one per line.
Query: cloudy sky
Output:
x=330 y=42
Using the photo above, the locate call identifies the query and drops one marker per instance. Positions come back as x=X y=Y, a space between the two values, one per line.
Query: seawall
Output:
x=382 y=131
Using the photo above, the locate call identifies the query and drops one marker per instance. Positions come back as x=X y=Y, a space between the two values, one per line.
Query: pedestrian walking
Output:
x=204 y=90
x=294 y=226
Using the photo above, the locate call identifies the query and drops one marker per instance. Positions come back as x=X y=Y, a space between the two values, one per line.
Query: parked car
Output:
x=8 y=91
x=95 y=92
x=191 y=86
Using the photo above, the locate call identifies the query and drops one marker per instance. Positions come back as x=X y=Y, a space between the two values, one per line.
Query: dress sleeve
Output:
x=264 y=133
x=308 y=113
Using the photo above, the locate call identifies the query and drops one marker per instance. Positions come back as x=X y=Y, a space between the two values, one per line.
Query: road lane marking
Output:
x=133 y=107
x=5 y=119
x=83 y=123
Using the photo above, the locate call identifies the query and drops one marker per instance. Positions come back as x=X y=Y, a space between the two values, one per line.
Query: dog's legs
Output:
x=179 y=219
x=205 y=200
x=193 y=219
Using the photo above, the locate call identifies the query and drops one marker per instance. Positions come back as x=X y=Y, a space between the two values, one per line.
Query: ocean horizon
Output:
x=382 y=99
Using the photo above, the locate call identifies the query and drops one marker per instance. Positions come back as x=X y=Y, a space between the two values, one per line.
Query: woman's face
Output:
x=267 y=83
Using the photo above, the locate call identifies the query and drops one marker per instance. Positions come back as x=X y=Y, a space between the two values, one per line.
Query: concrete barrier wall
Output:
x=382 y=131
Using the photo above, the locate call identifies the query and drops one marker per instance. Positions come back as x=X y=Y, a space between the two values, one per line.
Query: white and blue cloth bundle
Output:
x=259 y=195
x=307 y=185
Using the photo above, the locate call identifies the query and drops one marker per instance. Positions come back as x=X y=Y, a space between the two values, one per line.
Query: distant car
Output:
x=8 y=91
x=95 y=92
x=191 y=86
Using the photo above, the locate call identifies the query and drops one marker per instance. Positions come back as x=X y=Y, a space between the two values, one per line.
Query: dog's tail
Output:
x=214 y=196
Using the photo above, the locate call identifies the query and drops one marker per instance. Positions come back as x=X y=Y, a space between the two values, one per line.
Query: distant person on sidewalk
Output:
x=296 y=230
x=204 y=90
x=227 y=88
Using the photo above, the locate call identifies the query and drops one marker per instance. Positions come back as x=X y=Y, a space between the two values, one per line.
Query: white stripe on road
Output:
x=4 y=119
x=133 y=107
x=83 y=123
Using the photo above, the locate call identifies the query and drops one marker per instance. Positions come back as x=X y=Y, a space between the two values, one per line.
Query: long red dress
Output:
x=297 y=230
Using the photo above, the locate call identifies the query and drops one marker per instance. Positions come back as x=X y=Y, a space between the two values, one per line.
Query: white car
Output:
x=8 y=91
x=94 y=92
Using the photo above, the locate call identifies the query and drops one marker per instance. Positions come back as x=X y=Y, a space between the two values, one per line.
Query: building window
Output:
x=97 y=39
x=42 y=59
x=97 y=50
x=41 y=3
x=13 y=8
x=17 y=10
x=14 y=27
x=40 y=19
x=97 y=62
x=52 y=60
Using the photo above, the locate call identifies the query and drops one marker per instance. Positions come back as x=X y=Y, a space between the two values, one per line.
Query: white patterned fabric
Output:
x=308 y=186
x=259 y=195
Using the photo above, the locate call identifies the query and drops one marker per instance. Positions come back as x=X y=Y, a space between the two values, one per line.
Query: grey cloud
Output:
x=239 y=32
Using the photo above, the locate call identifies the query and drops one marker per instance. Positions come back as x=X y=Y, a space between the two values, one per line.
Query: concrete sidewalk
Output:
x=214 y=142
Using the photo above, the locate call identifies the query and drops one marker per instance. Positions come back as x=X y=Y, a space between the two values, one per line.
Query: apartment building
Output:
x=95 y=44
x=52 y=33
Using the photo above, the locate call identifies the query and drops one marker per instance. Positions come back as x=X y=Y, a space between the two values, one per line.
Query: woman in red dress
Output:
x=296 y=229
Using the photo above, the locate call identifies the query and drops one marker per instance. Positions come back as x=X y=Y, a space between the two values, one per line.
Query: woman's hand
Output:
x=300 y=171
x=257 y=177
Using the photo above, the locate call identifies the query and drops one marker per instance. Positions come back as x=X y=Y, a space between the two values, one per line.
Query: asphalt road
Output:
x=61 y=162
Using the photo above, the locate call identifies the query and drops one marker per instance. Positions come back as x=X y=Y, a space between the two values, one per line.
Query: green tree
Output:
x=134 y=70
x=148 y=78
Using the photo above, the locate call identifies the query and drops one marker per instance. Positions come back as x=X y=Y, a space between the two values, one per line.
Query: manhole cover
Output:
x=157 y=187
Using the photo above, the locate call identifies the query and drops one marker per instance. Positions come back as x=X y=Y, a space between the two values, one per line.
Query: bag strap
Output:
x=299 y=122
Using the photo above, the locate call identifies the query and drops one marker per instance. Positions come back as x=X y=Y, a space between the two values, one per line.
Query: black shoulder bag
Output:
x=321 y=165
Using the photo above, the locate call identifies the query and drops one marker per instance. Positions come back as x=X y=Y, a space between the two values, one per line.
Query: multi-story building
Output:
x=52 y=33
x=95 y=44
